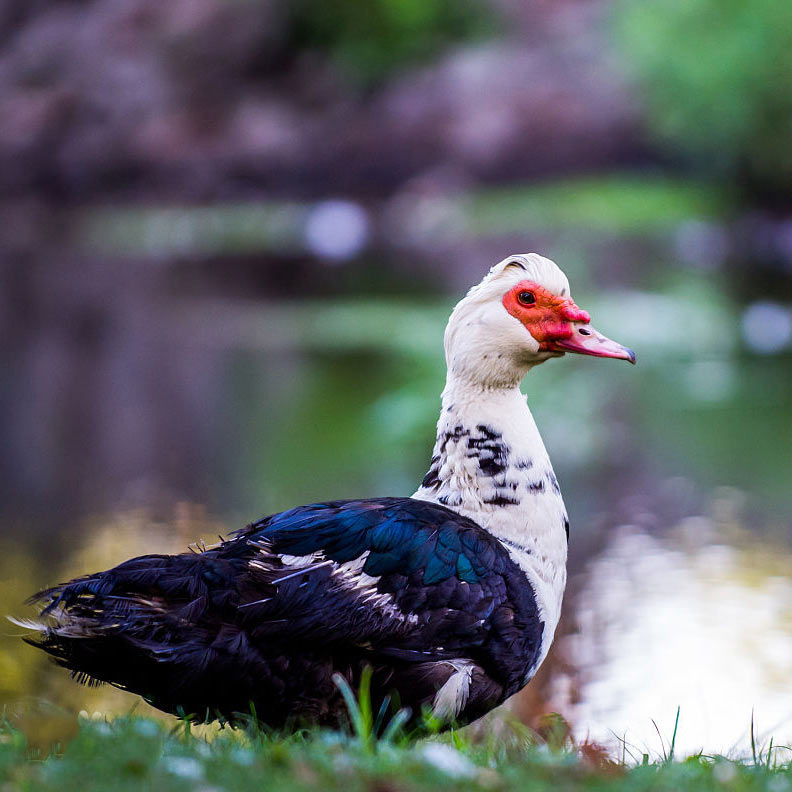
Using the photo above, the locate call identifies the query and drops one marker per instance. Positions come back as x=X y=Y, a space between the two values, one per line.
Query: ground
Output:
x=139 y=753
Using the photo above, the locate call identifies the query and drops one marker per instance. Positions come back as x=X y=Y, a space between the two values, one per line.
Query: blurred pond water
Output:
x=675 y=474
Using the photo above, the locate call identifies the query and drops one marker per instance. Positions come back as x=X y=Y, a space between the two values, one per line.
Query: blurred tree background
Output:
x=716 y=78
x=231 y=232
x=370 y=44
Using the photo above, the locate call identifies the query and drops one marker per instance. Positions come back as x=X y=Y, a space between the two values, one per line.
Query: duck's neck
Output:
x=490 y=464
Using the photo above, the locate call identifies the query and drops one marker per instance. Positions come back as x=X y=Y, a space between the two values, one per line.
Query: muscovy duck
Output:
x=450 y=596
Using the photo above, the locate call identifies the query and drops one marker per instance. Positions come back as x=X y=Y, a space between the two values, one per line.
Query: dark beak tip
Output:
x=630 y=355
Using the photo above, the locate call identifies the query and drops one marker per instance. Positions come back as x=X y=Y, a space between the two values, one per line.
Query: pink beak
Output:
x=585 y=340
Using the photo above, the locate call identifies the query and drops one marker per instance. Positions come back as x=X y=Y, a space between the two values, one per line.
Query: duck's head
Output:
x=520 y=315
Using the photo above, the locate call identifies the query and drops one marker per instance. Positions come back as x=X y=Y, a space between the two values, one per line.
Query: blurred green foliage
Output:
x=371 y=40
x=616 y=204
x=716 y=76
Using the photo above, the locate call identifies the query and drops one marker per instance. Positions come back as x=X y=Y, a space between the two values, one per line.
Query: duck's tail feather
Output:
x=146 y=626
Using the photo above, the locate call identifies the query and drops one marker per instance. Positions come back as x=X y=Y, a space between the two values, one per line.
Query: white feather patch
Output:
x=28 y=624
x=451 y=699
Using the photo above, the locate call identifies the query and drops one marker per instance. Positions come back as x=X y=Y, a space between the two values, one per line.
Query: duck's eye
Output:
x=527 y=298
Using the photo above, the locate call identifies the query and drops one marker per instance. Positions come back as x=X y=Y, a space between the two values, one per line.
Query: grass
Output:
x=139 y=753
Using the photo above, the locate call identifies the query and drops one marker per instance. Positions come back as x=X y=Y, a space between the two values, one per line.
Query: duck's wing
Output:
x=425 y=574
x=403 y=578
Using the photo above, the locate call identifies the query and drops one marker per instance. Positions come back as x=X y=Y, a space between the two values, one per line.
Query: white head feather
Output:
x=485 y=345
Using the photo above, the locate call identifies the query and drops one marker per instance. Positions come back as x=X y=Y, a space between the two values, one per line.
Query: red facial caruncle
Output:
x=558 y=324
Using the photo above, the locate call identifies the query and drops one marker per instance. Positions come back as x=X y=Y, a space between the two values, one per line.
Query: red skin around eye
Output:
x=549 y=318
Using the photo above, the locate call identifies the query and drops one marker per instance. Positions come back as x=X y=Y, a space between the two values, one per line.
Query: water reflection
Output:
x=700 y=619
